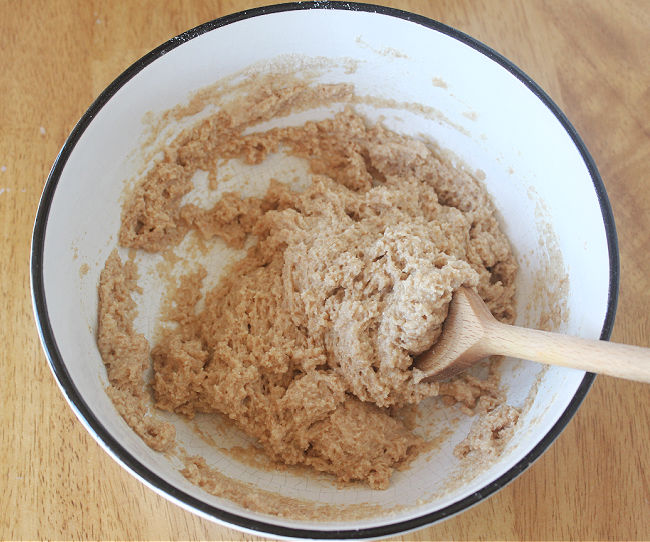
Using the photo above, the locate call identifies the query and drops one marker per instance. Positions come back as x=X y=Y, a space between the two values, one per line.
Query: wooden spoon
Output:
x=470 y=333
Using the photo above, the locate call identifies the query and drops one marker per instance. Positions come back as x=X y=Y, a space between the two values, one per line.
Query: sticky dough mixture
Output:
x=308 y=342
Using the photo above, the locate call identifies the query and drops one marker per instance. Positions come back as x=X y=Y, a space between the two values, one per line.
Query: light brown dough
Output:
x=126 y=353
x=308 y=341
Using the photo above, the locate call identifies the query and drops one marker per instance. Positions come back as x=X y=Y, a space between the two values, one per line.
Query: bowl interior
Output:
x=474 y=107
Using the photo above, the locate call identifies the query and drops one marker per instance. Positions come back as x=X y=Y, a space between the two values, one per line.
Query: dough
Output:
x=126 y=353
x=308 y=342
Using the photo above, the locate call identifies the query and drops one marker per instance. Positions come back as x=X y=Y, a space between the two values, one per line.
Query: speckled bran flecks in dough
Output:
x=309 y=340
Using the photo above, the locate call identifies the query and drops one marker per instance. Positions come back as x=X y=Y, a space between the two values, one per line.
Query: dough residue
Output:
x=307 y=343
x=126 y=353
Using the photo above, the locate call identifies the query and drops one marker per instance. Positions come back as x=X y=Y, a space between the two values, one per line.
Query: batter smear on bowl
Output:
x=308 y=341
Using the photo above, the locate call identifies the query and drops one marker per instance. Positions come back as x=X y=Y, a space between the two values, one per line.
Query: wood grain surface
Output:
x=55 y=57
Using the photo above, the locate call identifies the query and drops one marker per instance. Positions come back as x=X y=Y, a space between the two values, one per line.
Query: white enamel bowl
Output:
x=493 y=117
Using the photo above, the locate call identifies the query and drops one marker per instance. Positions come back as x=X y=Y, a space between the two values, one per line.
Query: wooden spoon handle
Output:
x=620 y=360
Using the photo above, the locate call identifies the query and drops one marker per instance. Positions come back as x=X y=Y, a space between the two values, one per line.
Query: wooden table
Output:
x=55 y=57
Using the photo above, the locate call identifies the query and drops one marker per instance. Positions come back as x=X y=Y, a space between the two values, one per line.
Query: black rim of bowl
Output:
x=187 y=501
